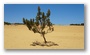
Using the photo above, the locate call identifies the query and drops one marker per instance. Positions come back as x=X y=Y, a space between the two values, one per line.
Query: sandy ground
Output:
x=67 y=37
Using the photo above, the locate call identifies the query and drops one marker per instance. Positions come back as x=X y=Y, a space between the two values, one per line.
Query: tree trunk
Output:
x=44 y=38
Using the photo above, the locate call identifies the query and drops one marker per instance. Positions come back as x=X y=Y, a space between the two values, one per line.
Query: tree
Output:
x=82 y=23
x=39 y=24
x=7 y=23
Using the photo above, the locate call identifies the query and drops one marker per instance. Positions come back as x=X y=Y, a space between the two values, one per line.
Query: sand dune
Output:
x=67 y=37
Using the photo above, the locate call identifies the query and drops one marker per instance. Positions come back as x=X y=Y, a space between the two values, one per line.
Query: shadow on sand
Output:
x=48 y=44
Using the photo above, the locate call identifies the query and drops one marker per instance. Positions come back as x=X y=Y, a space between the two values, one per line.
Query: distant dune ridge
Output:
x=67 y=37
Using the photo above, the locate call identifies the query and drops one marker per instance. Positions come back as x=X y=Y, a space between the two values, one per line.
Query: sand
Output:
x=67 y=37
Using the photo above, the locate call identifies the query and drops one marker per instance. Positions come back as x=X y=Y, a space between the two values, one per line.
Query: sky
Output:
x=63 y=14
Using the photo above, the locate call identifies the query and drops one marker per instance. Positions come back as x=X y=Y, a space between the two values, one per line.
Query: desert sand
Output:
x=67 y=37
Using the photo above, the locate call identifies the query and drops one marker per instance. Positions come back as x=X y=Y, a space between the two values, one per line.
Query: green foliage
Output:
x=41 y=20
x=24 y=21
x=82 y=24
x=48 y=13
x=38 y=24
x=7 y=23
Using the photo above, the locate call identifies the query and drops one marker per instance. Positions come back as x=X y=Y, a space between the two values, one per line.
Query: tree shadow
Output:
x=48 y=44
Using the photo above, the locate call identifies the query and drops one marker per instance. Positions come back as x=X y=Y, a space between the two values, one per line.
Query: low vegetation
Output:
x=82 y=24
